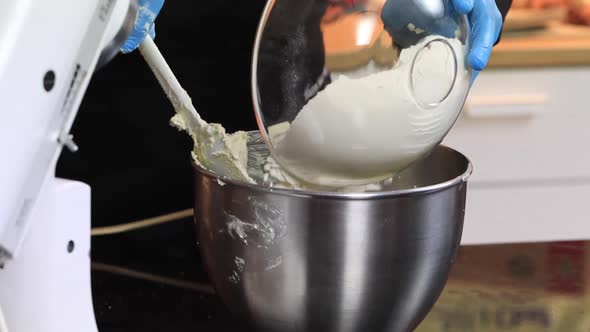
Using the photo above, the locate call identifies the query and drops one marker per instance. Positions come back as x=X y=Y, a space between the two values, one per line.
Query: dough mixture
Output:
x=358 y=132
x=363 y=130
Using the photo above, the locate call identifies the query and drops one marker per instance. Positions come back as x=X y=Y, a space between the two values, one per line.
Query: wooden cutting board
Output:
x=556 y=44
x=524 y=19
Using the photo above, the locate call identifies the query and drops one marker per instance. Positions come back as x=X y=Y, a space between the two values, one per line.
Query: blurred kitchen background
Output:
x=525 y=263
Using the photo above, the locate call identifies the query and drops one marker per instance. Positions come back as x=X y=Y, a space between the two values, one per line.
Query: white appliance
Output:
x=48 y=53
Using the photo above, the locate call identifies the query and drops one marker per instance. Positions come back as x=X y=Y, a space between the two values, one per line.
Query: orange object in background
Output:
x=338 y=8
x=351 y=33
x=575 y=11
x=350 y=40
x=579 y=12
x=542 y=4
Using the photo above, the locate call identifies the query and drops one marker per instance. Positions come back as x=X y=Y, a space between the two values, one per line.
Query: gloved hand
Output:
x=484 y=17
x=144 y=24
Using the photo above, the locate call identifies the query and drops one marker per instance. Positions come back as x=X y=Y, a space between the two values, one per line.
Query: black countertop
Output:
x=124 y=303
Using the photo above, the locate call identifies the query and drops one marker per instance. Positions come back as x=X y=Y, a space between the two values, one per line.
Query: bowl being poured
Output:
x=351 y=95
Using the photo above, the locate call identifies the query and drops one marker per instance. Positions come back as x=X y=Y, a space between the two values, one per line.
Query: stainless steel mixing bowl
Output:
x=294 y=261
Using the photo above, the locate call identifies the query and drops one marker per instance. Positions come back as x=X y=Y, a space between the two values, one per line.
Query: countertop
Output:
x=525 y=287
x=556 y=45
x=548 y=45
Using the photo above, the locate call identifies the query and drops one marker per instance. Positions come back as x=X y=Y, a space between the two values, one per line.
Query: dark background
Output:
x=129 y=153
x=138 y=166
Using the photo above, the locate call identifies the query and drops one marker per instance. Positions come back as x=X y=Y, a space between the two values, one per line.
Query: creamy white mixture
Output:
x=359 y=131
x=224 y=154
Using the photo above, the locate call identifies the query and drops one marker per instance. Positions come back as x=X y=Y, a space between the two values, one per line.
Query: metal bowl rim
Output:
x=346 y=195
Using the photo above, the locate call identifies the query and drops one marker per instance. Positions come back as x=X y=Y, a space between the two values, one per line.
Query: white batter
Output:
x=363 y=130
x=357 y=132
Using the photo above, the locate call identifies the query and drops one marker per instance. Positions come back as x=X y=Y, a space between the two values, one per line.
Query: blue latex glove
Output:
x=144 y=24
x=483 y=15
